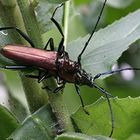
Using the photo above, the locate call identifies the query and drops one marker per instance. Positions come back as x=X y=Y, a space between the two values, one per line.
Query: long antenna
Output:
x=95 y=27
x=109 y=104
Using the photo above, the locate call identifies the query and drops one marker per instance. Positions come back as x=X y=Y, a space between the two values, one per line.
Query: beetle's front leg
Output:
x=20 y=32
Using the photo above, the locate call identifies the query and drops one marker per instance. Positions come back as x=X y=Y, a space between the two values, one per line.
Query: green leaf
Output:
x=39 y=126
x=17 y=108
x=44 y=12
x=112 y=13
x=107 y=45
x=126 y=118
x=8 y=123
x=134 y=137
x=79 y=136
x=120 y=3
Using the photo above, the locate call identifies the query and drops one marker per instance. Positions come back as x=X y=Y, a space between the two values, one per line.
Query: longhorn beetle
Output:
x=56 y=63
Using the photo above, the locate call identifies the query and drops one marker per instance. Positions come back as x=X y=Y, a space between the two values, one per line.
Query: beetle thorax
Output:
x=67 y=68
x=72 y=72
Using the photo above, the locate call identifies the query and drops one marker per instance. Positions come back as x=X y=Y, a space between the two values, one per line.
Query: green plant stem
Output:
x=59 y=108
x=61 y=112
x=57 y=100
x=35 y=96
x=66 y=21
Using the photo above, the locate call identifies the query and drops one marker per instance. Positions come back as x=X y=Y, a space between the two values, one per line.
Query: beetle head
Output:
x=84 y=78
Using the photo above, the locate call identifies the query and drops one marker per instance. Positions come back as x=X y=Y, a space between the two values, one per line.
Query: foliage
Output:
x=106 y=47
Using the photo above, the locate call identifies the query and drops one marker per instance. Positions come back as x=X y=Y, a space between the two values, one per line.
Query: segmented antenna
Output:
x=95 y=27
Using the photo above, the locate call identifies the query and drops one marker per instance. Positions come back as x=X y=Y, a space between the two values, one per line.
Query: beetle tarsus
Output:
x=21 y=33
x=86 y=112
x=51 y=42
x=43 y=75
x=56 y=90
x=111 y=133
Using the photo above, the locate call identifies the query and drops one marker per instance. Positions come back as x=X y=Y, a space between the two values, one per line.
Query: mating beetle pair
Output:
x=56 y=63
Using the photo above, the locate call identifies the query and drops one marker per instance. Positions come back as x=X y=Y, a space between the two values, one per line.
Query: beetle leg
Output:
x=46 y=87
x=51 y=42
x=56 y=89
x=61 y=84
x=21 y=33
x=55 y=22
x=59 y=80
x=41 y=76
x=61 y=47
x=78 y=92
x=14 y=67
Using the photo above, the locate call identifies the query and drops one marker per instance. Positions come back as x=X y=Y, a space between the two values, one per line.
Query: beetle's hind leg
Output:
x=41 y=76
x=61 y=44
x=55 y=22
x=44 y=75
x=16 y=67
x=51 y=42
x=21 y=33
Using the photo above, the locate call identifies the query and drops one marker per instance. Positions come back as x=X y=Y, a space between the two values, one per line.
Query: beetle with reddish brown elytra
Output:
x=56 y=63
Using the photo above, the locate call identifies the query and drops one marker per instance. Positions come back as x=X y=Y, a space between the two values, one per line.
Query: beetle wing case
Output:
x=31 y=56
